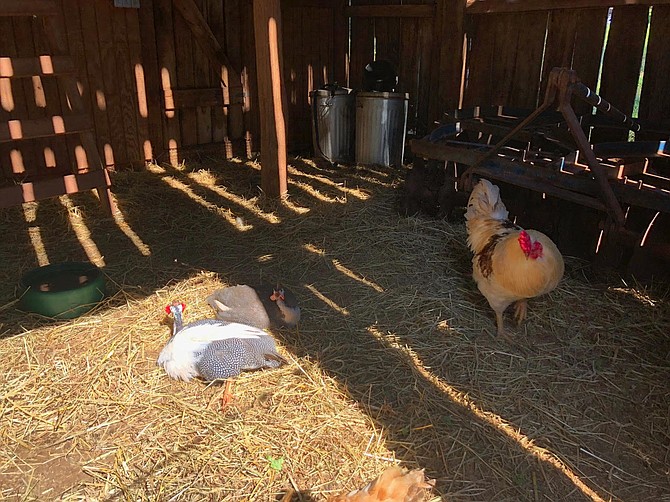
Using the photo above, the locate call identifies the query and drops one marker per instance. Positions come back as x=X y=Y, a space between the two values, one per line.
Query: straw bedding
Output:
x=393 y=362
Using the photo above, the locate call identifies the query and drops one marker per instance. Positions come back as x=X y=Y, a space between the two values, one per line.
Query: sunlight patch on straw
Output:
x=326 y=300
x=494 y=420
x=82 y=231
x=338 y=186
x=289 y=204
x=226 y=215
x=357 y=277
x=310 y=190
x=35 y=234
x=313 y=249
x=250 y=205
x=143 y=248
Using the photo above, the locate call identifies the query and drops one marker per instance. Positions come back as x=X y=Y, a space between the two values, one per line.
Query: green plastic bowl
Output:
x=62 y=290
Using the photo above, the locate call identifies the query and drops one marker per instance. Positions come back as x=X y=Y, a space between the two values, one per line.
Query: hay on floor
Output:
x=393 y=362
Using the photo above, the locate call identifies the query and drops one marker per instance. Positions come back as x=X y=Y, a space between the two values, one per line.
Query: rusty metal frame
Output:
x=562 y=84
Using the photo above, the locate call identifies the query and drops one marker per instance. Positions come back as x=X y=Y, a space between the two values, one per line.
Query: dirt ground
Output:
x=394 y=360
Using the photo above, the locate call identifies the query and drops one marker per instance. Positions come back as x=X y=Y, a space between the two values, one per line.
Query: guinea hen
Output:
x=262 y=307
x=510 y=264
x=215 y=350
x=392 y=485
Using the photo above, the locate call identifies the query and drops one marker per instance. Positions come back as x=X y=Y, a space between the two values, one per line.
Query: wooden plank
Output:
x=201 y=78
x=97 y=94
x=196 y=23
x=167 y=62
x=126 y=87
x=73 y=38
x=498 y=6
x=447 y=57
x=362 y=48
x=152 y=80
x=14 y=130
x=589 y=40
x=28 y=66
x=561 y=34
x=201 y=74
x=27 y=94
x=479 y=60
x=115 y=141
x=208 y=43
x=185 y=78
x=387 y=34
x=527 y=90
x=11 y=8
x=390 y=10
x=233 y=43
x=408 y=68
x=52 y=28
x=295 y=69
x=622 y=62
x=140 y=102
x=9 y=164
x=52 y=187
x=216 y=21
x=267 y=29
x=340 y=43
x=502 y=66
x=55 y=151
x=193 y=98
x=655 y=98
x=425 y=106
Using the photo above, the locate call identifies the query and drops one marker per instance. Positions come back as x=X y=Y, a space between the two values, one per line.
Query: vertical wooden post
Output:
x=447 y=60
x=271 y=96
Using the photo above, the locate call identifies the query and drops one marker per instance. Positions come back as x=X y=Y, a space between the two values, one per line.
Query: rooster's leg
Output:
x=227 y=396
x=499 y=321
x=520 y=309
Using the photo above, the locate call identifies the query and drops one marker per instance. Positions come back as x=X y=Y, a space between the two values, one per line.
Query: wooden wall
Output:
x=127 y=58
x=512 y=48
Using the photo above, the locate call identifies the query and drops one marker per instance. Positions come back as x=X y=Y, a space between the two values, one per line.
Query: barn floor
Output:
x=394 y=360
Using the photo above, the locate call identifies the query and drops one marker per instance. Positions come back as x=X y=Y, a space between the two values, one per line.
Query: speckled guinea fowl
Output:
x=260 y=306
x=215 y=350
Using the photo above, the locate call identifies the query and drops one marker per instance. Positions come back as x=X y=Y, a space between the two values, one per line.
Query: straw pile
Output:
x=394 y=361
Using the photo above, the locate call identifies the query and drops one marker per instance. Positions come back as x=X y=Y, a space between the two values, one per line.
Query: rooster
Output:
x=392 y=485
x=510 y=264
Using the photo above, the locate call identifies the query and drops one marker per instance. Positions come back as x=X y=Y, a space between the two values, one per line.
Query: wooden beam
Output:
x=45 y=188
x=499 y=6
x=41 y=65
x=271 y=96
x=15 y=130
x=390 y=11
x=28 y=8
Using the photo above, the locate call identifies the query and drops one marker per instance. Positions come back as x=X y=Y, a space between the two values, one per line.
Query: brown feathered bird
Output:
x=510 y=264
x=392 y=485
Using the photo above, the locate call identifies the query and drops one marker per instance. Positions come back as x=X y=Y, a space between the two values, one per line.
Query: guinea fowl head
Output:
x=176 y=308
x=291 y=315
x=277 y=294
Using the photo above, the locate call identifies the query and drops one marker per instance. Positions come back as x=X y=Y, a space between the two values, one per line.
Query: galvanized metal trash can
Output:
x=381 y=120
x=333 y=121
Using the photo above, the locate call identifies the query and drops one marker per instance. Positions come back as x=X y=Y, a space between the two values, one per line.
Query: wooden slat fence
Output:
x=152 y=90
